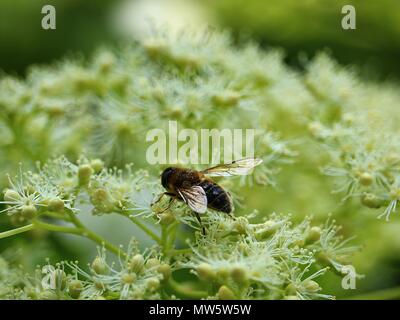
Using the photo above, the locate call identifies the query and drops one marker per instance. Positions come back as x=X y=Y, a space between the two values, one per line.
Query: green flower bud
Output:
x=152 y=283
x=75 y=288
x=291 y=289
x=165 y=270
x=136 y=264
x=97 y=165
x=99 y=266
x=205 y=272
x=11 y=195
x=371 y=201
x=366 y=179
x=311 y=286
x=128 y=278
x=166 y=218
x=313 y=234
x=102 y=200
x=222 y=274
x=28 y=211
x=224 y=293
x=85 y=171
x=56 y=205
x=239 y=275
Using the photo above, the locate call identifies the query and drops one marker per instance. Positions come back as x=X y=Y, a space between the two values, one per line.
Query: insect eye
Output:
x=165 y=176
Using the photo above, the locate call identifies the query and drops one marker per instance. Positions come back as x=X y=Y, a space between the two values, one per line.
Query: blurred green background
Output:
x=299 y=27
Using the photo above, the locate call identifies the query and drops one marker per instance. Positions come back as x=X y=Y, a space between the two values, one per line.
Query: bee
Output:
x=198 y=191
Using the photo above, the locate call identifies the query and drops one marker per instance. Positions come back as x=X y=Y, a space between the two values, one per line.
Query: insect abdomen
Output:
x=217 y=198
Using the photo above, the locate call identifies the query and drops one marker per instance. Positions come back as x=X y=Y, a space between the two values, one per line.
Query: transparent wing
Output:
x=195 y=198
x=240 y=167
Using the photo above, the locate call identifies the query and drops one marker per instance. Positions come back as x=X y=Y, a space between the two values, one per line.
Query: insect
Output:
x=198 y=191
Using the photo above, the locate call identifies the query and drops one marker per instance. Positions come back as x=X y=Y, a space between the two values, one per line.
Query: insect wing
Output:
x=195 y=198
x=240 y=167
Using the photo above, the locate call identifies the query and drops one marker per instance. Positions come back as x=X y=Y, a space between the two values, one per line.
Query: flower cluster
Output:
x=237 y=258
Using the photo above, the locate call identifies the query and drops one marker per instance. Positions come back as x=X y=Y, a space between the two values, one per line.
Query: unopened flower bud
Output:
x=205 y=272
x=239 y=275
x=222 y=273
x=366 y=179
x=152 y=283
x=11 y=195
x=75 y=288
x=313 y=234
x=99 y=266
x=56 y=205
x=102 y=200
x=311 y=285
x=166 y=218
x=224 y=293
x=85 y=171
x=136 y=264
x=97 y=165
x=28 y=211
x=371 y=201
x=291 y=289
x=128 y=278
x=165 y=270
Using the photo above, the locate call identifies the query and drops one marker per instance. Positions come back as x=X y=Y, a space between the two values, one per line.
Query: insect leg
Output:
x=171 y=201
x=161 y=196
x=198 y=219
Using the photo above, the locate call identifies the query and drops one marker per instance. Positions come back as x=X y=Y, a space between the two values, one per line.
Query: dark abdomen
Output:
x=217 y=198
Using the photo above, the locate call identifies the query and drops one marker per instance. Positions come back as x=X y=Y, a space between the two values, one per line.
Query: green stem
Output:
x=385 y=294
x=172 y=234
x=81 y=230
x=164 y=239
x=185 y=292
x=56 y=228
x=13 y=232
x=56 y=215
x=142 y=226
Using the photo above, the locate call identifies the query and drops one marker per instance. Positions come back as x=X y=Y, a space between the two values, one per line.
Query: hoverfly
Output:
x=198 y=191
